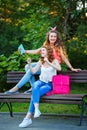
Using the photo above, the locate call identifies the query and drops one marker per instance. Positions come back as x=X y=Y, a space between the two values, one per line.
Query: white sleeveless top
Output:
x=47 y=73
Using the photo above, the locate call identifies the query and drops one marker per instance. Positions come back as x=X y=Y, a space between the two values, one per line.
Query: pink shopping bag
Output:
x=61 y=85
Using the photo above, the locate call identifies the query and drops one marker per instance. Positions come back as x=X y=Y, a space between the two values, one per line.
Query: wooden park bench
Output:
x=78 y=99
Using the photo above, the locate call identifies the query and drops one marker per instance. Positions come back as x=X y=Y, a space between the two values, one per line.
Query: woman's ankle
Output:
x=28 y=116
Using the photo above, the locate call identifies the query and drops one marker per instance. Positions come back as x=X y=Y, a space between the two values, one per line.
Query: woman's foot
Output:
x=26 y=122
x=14 y=90
x=28 y=91
x=8 y=92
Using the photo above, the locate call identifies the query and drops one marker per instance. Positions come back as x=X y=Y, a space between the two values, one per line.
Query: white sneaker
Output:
x=37 y=113
x=26 y=122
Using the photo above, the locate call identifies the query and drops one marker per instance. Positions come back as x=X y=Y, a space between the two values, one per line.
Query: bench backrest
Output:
x=14 y=76
x=76 y=77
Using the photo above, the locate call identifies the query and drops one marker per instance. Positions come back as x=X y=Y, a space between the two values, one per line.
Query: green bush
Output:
x=77 y=48
x=15 y=62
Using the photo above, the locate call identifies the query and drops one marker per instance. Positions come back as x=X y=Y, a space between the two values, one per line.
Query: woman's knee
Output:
x=26 y=67
x=36 y=84
x=35 y=87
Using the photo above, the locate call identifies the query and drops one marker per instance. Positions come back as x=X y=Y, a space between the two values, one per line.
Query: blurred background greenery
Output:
x=27 y=22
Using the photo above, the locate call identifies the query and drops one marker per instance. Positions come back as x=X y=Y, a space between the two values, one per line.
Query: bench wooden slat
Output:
x=76 y=77
x=71 y=98
x=59 y=100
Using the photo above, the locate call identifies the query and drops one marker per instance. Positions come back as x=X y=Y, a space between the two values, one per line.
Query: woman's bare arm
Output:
x=65 y=59
x=34 y=69
x=55 y=64
x=37 y=51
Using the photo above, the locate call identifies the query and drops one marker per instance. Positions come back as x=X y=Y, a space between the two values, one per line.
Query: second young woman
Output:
x=49 y=67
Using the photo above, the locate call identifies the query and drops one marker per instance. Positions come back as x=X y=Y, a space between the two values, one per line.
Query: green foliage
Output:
x=28 y=21
x=9 y=38
x=3 y=63
x=3 y=66
x=15 y=62
x=77 y=48
x=64 y=67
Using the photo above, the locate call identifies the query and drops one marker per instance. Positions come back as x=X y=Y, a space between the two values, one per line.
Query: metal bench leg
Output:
x=9 y=105
x=82 y=112
x=10 y=108
x=2 y=104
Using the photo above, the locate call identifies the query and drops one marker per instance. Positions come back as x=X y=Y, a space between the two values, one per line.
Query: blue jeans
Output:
x=39 y=88
x=28 y=77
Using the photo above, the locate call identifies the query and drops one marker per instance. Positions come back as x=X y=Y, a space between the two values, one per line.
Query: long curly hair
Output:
x=49 y=54
x=58 y=43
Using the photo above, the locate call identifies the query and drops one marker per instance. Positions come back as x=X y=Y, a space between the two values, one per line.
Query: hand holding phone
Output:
x=21 y=49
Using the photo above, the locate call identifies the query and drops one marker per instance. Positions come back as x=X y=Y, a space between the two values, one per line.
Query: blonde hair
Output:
x=58 y=43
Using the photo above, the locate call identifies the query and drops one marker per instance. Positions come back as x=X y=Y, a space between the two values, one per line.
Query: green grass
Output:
x=45 y=108
x=51 y=108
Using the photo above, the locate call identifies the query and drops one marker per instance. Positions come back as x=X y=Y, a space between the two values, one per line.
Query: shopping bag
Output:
x=61 y=85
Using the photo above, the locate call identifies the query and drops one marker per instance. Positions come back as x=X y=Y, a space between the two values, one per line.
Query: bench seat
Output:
x=55 y=98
